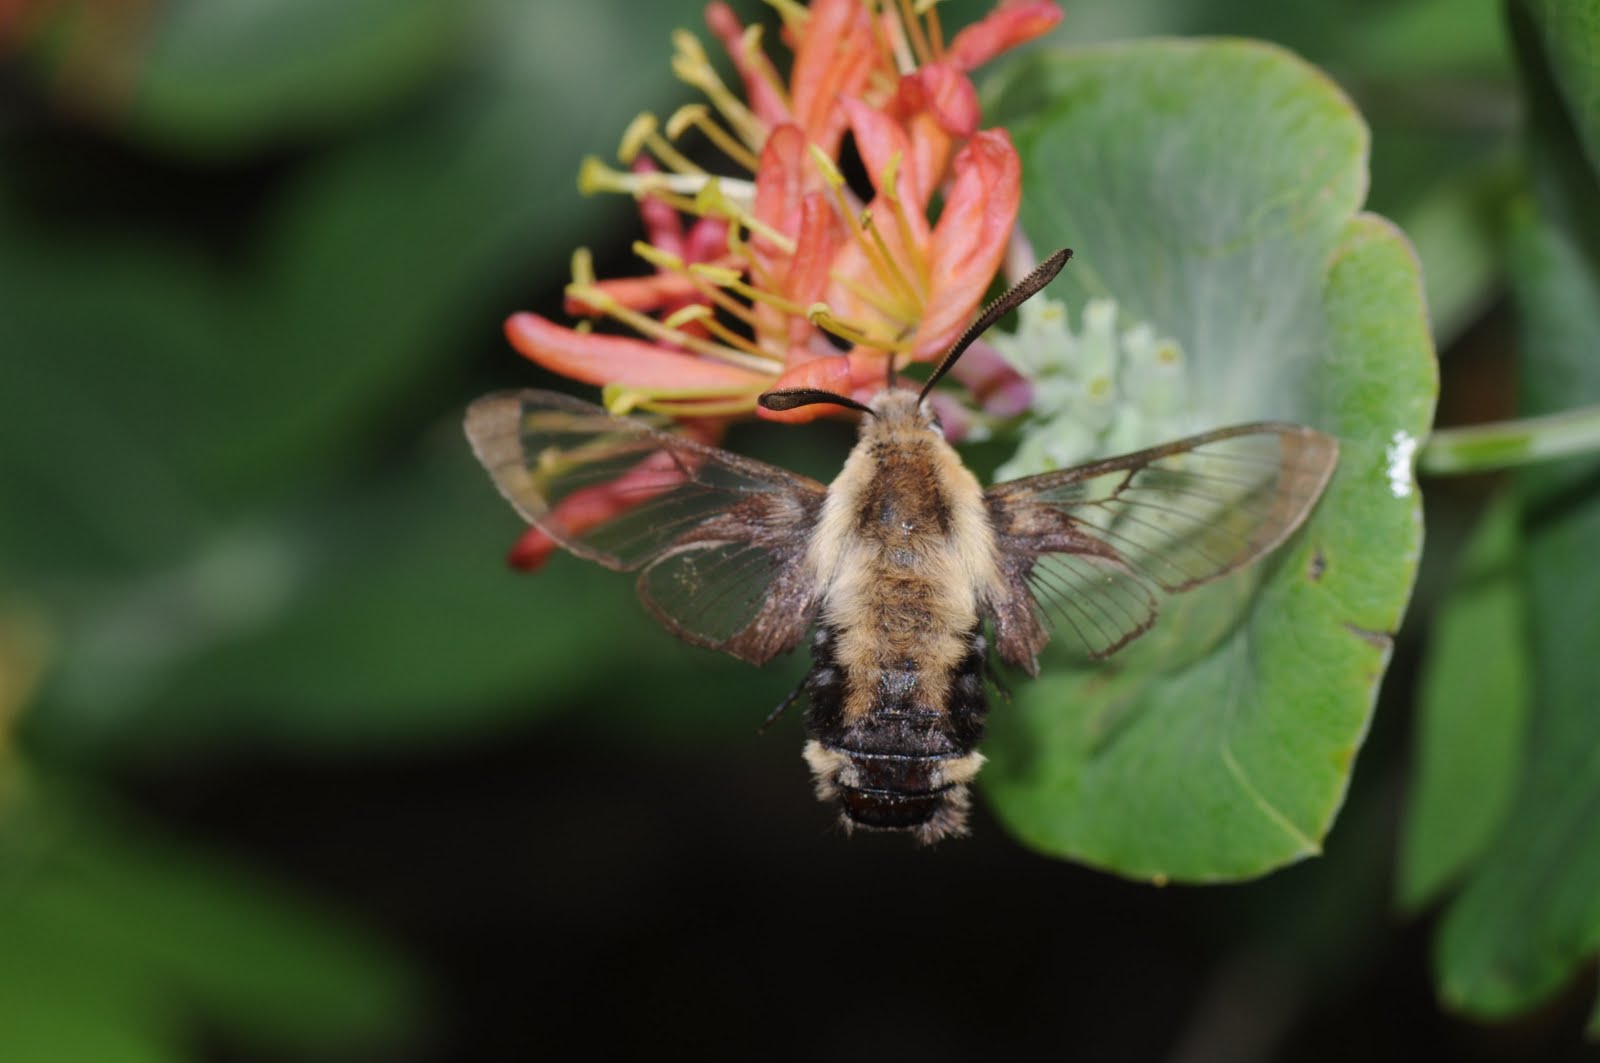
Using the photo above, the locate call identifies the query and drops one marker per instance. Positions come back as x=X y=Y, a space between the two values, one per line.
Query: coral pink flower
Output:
x=788 y=277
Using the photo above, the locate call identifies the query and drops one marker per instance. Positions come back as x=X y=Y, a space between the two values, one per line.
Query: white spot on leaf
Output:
x=1402 y=448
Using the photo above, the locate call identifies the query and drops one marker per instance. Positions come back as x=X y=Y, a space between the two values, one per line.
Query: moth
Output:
x=908 y=573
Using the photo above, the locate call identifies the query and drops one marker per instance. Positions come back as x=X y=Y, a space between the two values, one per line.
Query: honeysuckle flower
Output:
x=787 y=276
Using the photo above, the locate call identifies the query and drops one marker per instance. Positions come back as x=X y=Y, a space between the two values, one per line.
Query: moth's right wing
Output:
x=719 y=540
x=1091 y=550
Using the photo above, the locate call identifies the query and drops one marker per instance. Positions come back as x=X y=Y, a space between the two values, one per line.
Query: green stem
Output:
x=1506 y=444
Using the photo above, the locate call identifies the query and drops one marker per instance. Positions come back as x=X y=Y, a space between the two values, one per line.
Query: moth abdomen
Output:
x=919 y=792
x=896 y=762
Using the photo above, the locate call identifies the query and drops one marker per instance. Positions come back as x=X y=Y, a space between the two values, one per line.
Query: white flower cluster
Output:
x=1096 y=392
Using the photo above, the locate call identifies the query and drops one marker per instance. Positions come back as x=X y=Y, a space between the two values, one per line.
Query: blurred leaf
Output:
x=1459 y=233
x=1569 y=42
x=116 y=945
x=1210 y=188
x=377 y=618
x=226 y=76
x=1530 y=917
x=1472 y=714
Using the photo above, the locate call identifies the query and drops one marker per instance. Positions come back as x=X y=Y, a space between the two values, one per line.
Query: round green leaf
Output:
x=1212 y=188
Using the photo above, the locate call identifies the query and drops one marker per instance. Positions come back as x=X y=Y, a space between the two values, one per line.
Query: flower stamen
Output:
x=666 y=261
x=698 y=115
x=595 y=176
x=710 y=201
x=888 y=270
x=795 y=15
x=908 y=240
x=644 y=132
x=930 y=10
x=601 y=302
x=822 y=316
x=913 y=31
x=734 y=282
x=903 y=297
x=691 y=402
x=693 y=67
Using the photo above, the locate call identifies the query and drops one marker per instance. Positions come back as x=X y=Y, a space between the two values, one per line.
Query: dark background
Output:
x=264 y=661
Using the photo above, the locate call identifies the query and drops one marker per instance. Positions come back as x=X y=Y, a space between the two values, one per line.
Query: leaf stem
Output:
x=1507 y=444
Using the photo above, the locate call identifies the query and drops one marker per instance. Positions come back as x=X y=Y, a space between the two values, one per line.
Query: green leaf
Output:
x=1530 y=917
x=1472 y=714
x=116 y=944
x=1211 y=188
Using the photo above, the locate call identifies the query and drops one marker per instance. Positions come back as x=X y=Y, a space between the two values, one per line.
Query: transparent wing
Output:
x=714 y=533
x=1094 y=544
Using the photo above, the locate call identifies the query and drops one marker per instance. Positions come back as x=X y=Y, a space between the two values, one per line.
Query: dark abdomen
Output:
x=903 y=764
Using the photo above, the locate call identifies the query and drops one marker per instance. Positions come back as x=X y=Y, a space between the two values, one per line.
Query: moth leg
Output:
x=794 y=695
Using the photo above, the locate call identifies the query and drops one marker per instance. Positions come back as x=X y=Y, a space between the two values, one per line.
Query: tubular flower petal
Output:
x=762 y=87
x=602 y=360
x=969 y=241
x=1012 y=23
x=945 y=94
x=836 y=57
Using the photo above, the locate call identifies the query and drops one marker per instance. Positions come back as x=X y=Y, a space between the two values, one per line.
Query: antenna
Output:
x=1015 y=296
x=794 y=398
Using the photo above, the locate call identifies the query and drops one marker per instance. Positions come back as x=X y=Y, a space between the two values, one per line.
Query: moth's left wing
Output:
x=718 y=540
x=1089 y=550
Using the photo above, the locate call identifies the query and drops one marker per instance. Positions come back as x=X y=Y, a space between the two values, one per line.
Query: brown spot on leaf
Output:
x=1379 y=639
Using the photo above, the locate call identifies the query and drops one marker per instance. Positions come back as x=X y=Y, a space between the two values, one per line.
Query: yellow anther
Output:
x=719 y=275
x=690 y=114
x=830 y=172
x=619 y=400
x=698 y=115
x=691 y=66
x=891 y=174
x=689 y=46
x=591 y=296
x=692 y=312
x=657 y=257
x=582 y=266
x=635 y=137
x=750 y=46
x=794 y=15
x=595 y=176
x=711 y=201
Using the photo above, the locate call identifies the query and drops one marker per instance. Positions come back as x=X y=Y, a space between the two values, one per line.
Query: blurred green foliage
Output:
x=253 y=259
x=1528 y=915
